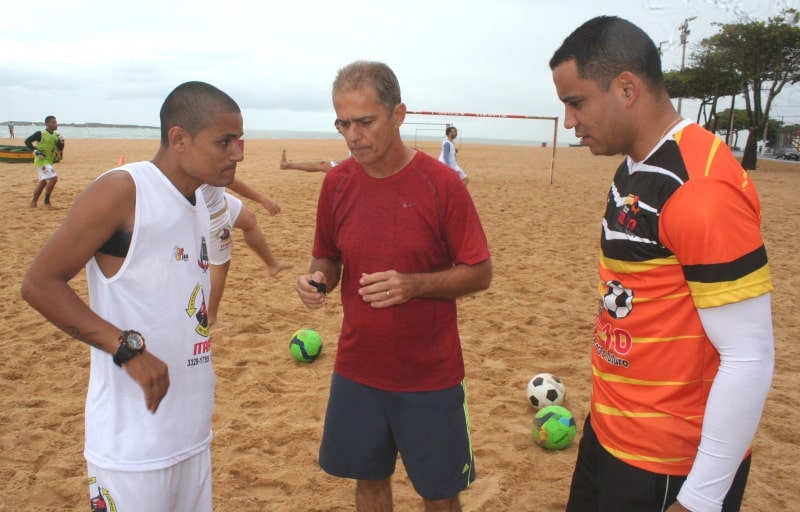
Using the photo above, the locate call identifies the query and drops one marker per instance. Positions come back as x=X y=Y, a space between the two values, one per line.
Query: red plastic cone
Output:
x=121 y=160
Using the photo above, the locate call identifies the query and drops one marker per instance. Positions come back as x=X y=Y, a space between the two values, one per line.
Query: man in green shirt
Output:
x=46 y=151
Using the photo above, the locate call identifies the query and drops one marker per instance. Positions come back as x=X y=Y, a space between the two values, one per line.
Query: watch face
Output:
x=133 y=340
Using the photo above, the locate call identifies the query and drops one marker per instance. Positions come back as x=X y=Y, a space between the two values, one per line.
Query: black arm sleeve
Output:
x=35 y=137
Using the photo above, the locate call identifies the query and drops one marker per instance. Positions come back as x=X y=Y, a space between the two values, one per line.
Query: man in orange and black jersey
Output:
x=684 y=290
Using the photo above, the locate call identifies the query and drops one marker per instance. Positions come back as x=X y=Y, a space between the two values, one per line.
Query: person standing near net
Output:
x=46 y=152
x=684 y=313
x=448 y=154
x=402 y=235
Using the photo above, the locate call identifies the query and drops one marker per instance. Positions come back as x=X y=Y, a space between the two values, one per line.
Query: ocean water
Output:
x=144 y=132
x=410 y=135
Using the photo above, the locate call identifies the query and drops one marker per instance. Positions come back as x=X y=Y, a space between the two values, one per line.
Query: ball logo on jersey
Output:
x=618 y=300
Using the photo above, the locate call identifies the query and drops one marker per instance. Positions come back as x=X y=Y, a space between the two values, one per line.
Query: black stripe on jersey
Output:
x=635 y=222
x=668 y=156
x=730 y=271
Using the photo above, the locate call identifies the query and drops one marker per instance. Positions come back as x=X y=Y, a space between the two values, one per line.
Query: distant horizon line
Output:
x=84 y=125
x=257 y=133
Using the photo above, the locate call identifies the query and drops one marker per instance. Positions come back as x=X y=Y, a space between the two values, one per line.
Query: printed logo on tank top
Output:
x=180 y=254
x=224 y=239
x=201 y=350
x=203 y=261
x=197 y=308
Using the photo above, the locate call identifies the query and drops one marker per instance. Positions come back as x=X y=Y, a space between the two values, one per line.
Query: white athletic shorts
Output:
x=46 y=172
x=184 y=487
x=222 y=221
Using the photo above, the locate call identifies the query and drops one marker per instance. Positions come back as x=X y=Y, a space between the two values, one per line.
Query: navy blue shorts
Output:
x=603 y=483
x=365 y=429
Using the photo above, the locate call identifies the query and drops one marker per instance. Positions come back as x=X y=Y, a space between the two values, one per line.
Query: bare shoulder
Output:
x=116 y=183
x=108 y=203
x=105 y=207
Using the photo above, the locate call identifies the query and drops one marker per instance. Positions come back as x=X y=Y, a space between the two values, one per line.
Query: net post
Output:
x=506 y=116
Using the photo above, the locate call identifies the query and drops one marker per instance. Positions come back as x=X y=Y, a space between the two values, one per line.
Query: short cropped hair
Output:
x=605 y=46
x=192 y=106
x=375 y=74
x=48 y=118
x=449 y=129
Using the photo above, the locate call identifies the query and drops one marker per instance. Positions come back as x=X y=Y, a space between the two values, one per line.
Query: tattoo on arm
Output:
x=74 y=332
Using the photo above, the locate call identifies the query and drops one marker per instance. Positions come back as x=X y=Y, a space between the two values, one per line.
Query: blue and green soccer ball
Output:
x=554 y=427
x=306 y=345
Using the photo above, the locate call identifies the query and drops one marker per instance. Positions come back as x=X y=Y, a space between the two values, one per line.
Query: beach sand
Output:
x=536 y=317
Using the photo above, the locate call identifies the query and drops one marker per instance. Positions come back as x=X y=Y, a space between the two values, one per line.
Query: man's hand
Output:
x=384 y=289
x=312 y=290
x=271 y=206
x=152 y=375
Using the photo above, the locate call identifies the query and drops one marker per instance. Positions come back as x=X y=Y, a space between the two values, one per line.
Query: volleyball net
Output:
x=503 y=116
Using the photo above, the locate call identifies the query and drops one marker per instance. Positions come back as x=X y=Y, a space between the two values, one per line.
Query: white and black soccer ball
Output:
x=618 y=300
x=545 y=389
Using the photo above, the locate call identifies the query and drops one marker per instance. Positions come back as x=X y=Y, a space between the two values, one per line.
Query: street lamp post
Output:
x=684 y=28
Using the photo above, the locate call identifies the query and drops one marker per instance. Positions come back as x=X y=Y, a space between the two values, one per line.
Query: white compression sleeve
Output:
x=742 y=334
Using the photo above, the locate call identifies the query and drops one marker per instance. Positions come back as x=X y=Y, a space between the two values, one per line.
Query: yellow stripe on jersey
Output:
x=710 y=295
x=632 y=456
x=602 y=288
x=608 y=377
x=712 y=152
x=634 y=267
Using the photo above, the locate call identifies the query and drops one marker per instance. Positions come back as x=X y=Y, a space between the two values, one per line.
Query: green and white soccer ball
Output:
x=305 y=345
x=554 y=427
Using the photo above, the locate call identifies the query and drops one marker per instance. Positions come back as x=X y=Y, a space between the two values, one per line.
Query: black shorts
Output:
x=603 y=483
x=365 y=428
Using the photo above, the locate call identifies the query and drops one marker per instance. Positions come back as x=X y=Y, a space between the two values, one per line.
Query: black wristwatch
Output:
x=131 y=344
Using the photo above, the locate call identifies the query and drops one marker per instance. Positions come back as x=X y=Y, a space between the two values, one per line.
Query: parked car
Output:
x=787 y=154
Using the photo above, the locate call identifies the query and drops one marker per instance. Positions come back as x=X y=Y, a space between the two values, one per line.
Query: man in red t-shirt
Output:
x=400 y=232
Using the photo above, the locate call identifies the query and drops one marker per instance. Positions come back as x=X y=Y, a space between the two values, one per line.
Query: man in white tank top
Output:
x=144 y=234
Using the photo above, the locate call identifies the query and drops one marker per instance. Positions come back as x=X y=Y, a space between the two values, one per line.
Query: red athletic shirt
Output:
x=421 y=219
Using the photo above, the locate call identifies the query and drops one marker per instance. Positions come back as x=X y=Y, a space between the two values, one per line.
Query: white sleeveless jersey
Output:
x=160 y=291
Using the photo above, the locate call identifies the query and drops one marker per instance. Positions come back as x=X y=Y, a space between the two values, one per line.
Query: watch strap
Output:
x=124 y=352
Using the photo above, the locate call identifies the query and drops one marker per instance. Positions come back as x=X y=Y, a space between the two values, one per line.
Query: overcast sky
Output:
x=114 y=62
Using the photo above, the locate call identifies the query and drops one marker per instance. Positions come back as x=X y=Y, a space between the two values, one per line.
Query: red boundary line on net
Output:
x=504 y=116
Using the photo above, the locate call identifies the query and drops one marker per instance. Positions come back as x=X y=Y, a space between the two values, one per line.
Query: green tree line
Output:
x=753 y=60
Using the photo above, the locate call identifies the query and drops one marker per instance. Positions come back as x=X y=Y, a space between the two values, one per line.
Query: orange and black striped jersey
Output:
x=681 y=231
